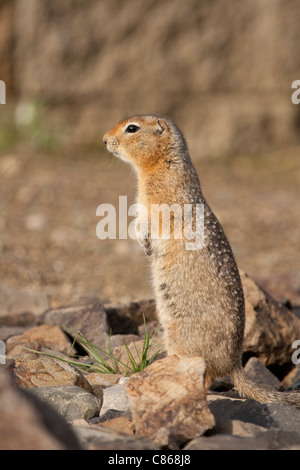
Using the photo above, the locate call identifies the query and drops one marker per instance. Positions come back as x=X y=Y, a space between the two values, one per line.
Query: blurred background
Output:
x=74 y=68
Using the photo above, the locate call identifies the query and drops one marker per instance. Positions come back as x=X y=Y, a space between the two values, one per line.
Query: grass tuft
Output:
x=104 y=361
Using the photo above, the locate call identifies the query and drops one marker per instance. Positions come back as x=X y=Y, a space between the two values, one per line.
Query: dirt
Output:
x=48 y=222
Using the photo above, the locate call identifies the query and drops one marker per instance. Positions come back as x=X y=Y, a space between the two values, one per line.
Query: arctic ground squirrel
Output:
x=198 y=290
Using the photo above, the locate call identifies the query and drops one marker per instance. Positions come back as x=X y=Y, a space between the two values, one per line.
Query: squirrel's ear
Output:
x=160 y=127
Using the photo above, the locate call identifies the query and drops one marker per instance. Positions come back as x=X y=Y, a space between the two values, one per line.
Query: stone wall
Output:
x=223 y=71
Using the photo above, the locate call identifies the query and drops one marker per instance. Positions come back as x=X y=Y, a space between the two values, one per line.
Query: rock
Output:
x=39 y=338
x=265 y=415
x=100 y=437
x=89 y=319
x=26 y=424
x=261 y=375
x=32 y=371
x=71 y=402
x=227 y=408
x=120 y=424
x=20 y=307
x=237 y=427
x=114 y=398
x=270 y=327
x=119 y=340
x=98 y=380
x=168 y=401
x=109 y=415
x=271 y=440
x=285 y=417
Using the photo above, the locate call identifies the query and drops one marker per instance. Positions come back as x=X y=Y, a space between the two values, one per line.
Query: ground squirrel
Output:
x=198 y=292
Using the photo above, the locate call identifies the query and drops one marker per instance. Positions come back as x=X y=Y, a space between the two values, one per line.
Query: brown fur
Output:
x=199 y=295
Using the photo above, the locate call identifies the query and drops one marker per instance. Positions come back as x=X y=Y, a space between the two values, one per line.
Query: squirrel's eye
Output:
x=131 y=128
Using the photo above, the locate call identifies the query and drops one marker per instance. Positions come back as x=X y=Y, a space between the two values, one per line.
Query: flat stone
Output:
x=100 y=437
x=39 y=338
x=35 y=371
x=267 y=415
x=269 y=440
x=237 y=427
x=250 y=411
x=71 y=402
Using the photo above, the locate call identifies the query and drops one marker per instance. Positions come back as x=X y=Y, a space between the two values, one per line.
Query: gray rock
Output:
x=260 y=374
x=237 y=427
x=249 y=411
x=70 y=401
x=114 y=398
x=99 y=437
x=226 y=442
x=285 y=417
x=109 y=415
x=88 y=318
x=268 y=415
x=270 y=327
x=270 y=440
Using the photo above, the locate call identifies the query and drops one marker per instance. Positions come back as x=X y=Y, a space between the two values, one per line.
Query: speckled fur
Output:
x=199 y=295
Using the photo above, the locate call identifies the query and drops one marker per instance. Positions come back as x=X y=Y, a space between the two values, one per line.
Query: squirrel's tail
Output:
x=247 y=388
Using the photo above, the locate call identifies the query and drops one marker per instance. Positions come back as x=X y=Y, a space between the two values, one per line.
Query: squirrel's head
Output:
x=146 y=141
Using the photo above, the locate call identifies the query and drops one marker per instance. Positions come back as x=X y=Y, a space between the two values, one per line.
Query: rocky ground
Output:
x=56 y=273
x=48 y=403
